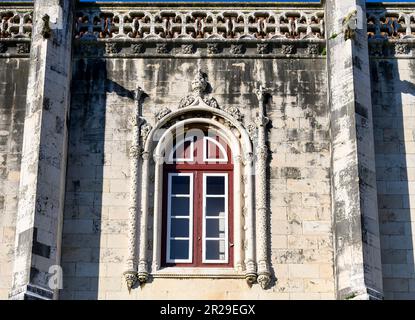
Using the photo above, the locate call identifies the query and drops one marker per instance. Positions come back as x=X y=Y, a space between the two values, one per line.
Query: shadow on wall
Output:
x=395 y=168
x=83 y=216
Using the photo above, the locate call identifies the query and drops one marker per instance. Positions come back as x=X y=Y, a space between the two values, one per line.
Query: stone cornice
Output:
x=189 y=48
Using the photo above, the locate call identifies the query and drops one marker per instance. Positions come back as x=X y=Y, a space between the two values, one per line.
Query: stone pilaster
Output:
x=262 y=211
x=354 y=195
x=36 y=272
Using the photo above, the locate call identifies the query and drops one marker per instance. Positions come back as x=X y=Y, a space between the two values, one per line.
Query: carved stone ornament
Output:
x=111 y=48
x=186 y=101
x=162 y=48
x=250 y=279
x=261 y=93
x=145 y=130
x=130 y=279
x=264 y=280
x=187 y=48
x=213 y=48
x=235 y=112
x=142 y=277
x=252 y=131
x=199 y=87
x=199 y=84
x=313 y=49
x=401 y=48
x=288 y=49
x=162 y=113
x=23 y=48
x=237 y=49
x=135 y=152
x=46 y=31
x=263 y=48
x=349 y=25
x=137 y=48
x=211 y=102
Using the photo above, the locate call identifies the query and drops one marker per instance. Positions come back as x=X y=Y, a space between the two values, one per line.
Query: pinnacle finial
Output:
x=199 y=84
x=261 y=92
x=138 y=93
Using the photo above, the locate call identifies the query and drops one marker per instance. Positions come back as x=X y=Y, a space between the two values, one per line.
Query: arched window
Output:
x=198 y=203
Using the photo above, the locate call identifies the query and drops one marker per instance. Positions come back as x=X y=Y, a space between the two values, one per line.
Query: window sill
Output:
x=194 y=273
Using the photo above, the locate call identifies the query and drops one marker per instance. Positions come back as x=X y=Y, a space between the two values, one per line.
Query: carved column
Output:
x=142 y=264
x=249 y=245
x=238 y=212
x=159 y=160
x=261 y=194
x=142 y=274
x=135 y=155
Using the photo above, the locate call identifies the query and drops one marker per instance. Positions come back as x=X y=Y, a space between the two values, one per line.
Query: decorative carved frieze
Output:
x=162 y=48
x=288 y=49
x=199 y=24
x=401 y=48
x=111 y=48
x=23 y=47
x=313 y=49
x=213 y=48
x=137 y=48
x=16 y=24
x=198 y=49
x=263 y=48
x=187 y=48
x=391 y=48
x=237 y=49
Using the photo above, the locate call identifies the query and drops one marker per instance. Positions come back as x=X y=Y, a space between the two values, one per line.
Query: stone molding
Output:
x=209 y=48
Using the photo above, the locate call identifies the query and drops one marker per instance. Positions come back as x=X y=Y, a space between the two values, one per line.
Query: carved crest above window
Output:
x=200 y=97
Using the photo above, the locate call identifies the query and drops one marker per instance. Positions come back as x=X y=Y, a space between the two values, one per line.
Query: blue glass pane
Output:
x=180 y=206
x=180 y=185
x=179 y=249
x=215 y=206
x=179 y=228
x=215 y=250
x=215 y=228
x=215 y=185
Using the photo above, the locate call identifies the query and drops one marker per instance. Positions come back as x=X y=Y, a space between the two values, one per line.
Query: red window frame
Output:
x=198 y=169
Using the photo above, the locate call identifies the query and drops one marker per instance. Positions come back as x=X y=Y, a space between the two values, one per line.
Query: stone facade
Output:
x=319 y=114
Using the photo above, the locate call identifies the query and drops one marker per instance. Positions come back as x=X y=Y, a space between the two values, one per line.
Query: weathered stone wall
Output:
x=95 y=227
x=393 y=95
x=13 y=84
